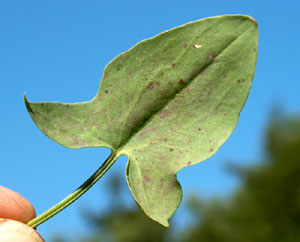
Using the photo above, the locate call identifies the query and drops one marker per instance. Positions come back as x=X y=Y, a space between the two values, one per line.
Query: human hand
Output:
x=15 y=211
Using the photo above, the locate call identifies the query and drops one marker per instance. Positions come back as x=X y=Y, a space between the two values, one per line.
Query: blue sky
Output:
x=57 y=50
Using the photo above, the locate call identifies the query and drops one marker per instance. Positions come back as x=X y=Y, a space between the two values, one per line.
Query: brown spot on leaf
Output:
x=174 y=108
x=254 y=49
x=181 y=82
x=118 y=68
x=106 y=91
x=154 y=129
x=171 y=150
x=199 y=129
x=211 y=150
x=187 y=89
x=142 y=134
x=173 y=65
x=185 y=46
x=212 y=56
x=240 y=80
x=162 y=74
x=165 y=139
x=163 y=114
x=189 y=163
x=150 y=86
x=146 y=178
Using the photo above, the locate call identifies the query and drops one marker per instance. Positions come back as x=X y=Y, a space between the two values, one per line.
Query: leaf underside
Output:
x=169 y=102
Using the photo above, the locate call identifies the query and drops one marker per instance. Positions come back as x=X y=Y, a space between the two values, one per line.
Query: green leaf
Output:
x=169 y=102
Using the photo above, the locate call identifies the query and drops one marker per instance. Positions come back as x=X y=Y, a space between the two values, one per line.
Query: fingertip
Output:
x=14 y=206
x=11 y=230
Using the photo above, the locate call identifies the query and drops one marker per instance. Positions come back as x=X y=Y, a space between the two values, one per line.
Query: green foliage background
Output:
x=265 y=207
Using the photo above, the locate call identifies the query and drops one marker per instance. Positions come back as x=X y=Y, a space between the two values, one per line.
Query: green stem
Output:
x=76 y=194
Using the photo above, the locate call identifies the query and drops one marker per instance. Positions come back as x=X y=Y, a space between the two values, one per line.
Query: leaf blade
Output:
x=169 y=102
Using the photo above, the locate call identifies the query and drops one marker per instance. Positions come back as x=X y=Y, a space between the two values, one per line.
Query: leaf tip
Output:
x=165 y=223
x=27 y=104
x=253 y=20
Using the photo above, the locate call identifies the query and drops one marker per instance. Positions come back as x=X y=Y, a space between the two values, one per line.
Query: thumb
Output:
x=14 y=231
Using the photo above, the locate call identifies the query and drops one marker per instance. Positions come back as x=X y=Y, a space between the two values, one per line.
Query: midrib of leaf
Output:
x=187 y=84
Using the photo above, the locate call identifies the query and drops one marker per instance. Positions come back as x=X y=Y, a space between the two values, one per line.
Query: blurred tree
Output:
x=121 y=223
x=266 y=207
